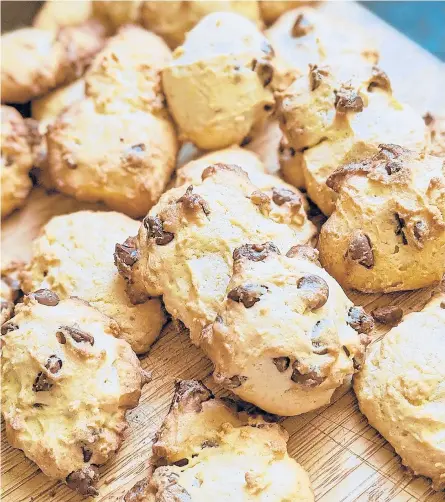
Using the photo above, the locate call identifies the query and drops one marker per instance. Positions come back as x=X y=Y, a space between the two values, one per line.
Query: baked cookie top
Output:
x=67 y=382
x=401 y=390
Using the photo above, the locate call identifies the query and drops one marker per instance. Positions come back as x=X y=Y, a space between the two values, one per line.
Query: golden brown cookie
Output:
x=16 y=160
x=47 y=58
x=387 y=232
x=172 y=20
x=286 y=336
x=185 y=244
x=213 y=452
x=401 y=390
x=73 y=256
x=218 y=85
x=340 y=114
x=67 y=382
x=115 y=14
x=118 y=145
x=55 y=14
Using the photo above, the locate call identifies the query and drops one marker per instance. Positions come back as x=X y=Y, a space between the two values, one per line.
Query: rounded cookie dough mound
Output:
x=172 y=20
x=184 y=247
x=285 y=336
x=387 y=232
x=220 y=454
x=67 y=383
x=48 y=59
x=401 y=390
x=119 y=144
x=55 y=14
x=218 y=84
x=16 y=160
x=73 y=256
x=339 y=114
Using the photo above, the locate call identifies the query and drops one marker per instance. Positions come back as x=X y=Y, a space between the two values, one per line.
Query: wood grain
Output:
x=347 y=460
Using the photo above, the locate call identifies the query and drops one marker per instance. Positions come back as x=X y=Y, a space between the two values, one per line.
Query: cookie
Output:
x=290 y=204
x=400 y=390
x=172 y=20
x=115 y=14
x=55 y=14
x=119 y=144
x=185 y=244
x=16 y=160
x=67 y=382
x=47 y=58
x=214 y=452
x=340 y=114
x=218 y=85
x=286 y=336
x=387 y=232
x=291 y=164
x=436 y=125
x=73 y=256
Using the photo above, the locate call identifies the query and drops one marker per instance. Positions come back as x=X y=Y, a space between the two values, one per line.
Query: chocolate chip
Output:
x=234 y=382
x=379 y=79
x=316 y=76
x=359 y=320
x=360 y=249
x=39 y=405
x=315 y=291
x=155 y=230
x=126 y=254
x=310 y=379
x=42 y=381
x=255 y=252
x=346 y=100
x=210 y=443
x=248 y=294
x=246 y=140
x=83 y=480
x=7 y=327
x=400 y=225
x=193 y=202
x=304 y=253
x=46 y=297
x=301 y=27
x=87 y=454
x=393 y=166
x=138 y=148
x=75 y=333
x=181 y=463
x=214 y=168
x=264 y=70
x=428 y=119
x=442 y=305
x=282 y=195
x=420 y=231
x=282 y=363
x=388 y=315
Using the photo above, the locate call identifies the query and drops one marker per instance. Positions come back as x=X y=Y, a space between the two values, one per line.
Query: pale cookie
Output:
x=55 y=14
x=16 y=160
x=47 y=59
x=118 y=145
x=401 y=390
x=172 y=20
x=341 y=114
x=184 y=247
x=286 y=336
x=387 y=232
x=215 y=453
x=73 y=256
x=290 y=204
x=218 y=85
x=67 y=382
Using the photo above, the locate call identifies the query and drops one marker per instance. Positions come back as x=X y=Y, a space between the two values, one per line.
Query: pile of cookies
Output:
x=225 y=244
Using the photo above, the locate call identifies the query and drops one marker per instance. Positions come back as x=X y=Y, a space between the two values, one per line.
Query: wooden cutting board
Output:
x=346 y=459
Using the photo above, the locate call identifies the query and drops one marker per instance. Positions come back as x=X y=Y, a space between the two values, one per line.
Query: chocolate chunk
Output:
x=420 y=231
x=138 y=148
x=393 y=166
x=282 y=363
x=46 y=297
x=346 y=100
x=360 y=250
x=315 y=291
x=8 y=326
x=234 y=382
x=255 y=252
x=181 y=463
x=428 y=119
x=155 y=230
x=214 y=168
x=193 y=202
x=282 y=195
x=379 y=80
x=309 y=379
x=87 y=454
x=248 y=294
x=388 y=315
x=54 y=364
x=246 y=141
x=304 y=253
x=126 y=254
x=316 y=76
x=301 y=27
x=210 y=443
x=83 y=480
x=42 y=381
x=75 y=333
x=264 y=70
x=359 y=320
x=400 y=225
